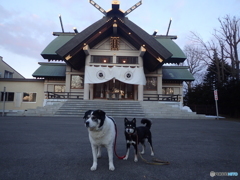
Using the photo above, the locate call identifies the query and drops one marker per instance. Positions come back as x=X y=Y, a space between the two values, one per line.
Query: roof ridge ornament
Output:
x=133 y=8
x=115 y=5
x=98 y=7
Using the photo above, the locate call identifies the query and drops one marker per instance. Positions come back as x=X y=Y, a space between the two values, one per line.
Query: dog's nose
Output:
x=87 y=124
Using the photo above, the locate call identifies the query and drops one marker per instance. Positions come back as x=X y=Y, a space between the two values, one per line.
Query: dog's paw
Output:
x=142 y=152
x=111 y=167
x=99 y=156
x=94 y=168
x=152 y=154
x=135 y=159
x=125 y=158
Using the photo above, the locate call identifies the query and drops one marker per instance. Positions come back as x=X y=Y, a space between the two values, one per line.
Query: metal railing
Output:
x=64 y=95
x=162 y=97
x=146 y=97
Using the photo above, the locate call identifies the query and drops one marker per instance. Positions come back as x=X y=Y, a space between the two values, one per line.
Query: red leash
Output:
x=155 y=161
x=115 y=142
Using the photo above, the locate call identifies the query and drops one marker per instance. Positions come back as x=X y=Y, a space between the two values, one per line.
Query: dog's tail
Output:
x=148 y=122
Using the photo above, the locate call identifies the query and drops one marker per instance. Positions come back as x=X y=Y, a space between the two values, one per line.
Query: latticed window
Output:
x=77 y=82
x=59 y=88
x=101 y=59
x=167 y=90
x=127 y=60
x=151 y=83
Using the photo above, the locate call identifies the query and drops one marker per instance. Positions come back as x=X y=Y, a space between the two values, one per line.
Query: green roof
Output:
x=176 y=73
x=50 y=51
x=178 y=55
x=50 y=70
x=173 y=73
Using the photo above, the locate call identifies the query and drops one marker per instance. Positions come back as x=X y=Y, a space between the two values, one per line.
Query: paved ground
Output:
x=58 y=148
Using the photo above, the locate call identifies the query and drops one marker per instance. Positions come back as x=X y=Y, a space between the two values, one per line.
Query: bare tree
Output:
x=222 y=48
x=229 y=38
x=195 y=63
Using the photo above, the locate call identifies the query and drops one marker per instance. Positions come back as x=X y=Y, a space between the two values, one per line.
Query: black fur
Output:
x=87 y=113
x=99 y=114
x=135 y=135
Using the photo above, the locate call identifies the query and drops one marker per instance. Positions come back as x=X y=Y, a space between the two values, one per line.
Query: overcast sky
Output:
x=26 y=26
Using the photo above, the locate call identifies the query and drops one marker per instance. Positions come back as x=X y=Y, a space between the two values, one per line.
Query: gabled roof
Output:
x=50 y=51
x=177 y=54
x=50 y=70
x=69 y=47
x=103 y=29
x=176 y=73
x=6 y=67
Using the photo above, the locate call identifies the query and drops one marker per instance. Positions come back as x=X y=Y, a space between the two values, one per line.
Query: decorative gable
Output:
x=122 y=45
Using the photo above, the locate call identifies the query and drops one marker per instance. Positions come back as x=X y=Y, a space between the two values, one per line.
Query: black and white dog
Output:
x=135 y=134
x=101 y=130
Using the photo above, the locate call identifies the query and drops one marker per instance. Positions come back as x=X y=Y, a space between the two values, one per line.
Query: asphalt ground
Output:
x=58 y=148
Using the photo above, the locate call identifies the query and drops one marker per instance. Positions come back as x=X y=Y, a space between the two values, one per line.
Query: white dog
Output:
x=101 y=130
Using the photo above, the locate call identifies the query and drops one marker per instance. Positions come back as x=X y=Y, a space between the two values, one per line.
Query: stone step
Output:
x=112 y=108
x=153 y=109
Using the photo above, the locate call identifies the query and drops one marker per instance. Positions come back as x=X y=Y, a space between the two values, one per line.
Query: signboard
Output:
x=216 y=99
x=215 y=95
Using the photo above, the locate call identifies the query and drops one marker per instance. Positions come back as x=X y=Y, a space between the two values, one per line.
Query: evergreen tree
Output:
x=217 y=73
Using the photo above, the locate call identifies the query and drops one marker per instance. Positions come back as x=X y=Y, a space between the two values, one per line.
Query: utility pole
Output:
x=4 y=97
x=216 y=99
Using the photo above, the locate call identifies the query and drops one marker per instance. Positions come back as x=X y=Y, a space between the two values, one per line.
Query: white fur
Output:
x=103 y=136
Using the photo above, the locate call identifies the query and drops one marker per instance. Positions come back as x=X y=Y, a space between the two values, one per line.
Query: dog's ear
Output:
x=100 y=115
x=125 y=120
x=87 y=113
x=134 y=120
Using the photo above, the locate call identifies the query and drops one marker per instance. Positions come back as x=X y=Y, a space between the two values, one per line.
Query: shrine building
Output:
x=113 y=59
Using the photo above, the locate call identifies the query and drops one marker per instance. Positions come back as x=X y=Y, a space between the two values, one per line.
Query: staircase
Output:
x=77 y=108
x=157 y=109
x=121 y=109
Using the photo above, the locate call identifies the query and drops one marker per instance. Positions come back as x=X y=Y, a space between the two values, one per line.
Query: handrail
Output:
x=63 y=95
x=161 y=97
x=79 y=95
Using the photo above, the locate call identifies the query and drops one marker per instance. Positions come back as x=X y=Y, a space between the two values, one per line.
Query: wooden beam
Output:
x=86 y=50
x=142 y=51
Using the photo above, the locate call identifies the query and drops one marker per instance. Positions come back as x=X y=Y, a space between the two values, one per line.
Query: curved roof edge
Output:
x=177 y=73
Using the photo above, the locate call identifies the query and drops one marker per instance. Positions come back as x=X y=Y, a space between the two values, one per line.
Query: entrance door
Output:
x=114 y=90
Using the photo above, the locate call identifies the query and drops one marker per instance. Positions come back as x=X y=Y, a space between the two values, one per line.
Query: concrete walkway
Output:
x=58 y=148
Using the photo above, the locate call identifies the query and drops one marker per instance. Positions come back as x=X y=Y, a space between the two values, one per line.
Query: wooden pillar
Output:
x=159 y=82
x=140 y=92
x=91 y=91
x=86 y=91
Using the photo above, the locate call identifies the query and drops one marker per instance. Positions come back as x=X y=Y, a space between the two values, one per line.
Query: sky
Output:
x=26 y=26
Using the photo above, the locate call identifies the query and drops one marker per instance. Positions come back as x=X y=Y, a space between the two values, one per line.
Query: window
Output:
x=8 y=74
x=101 y=59
x=127 y=60
x=167 y=90
x=29 y=97
x=59 y=88
x=151 y=83
x=77 y=82
x=9 y=96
